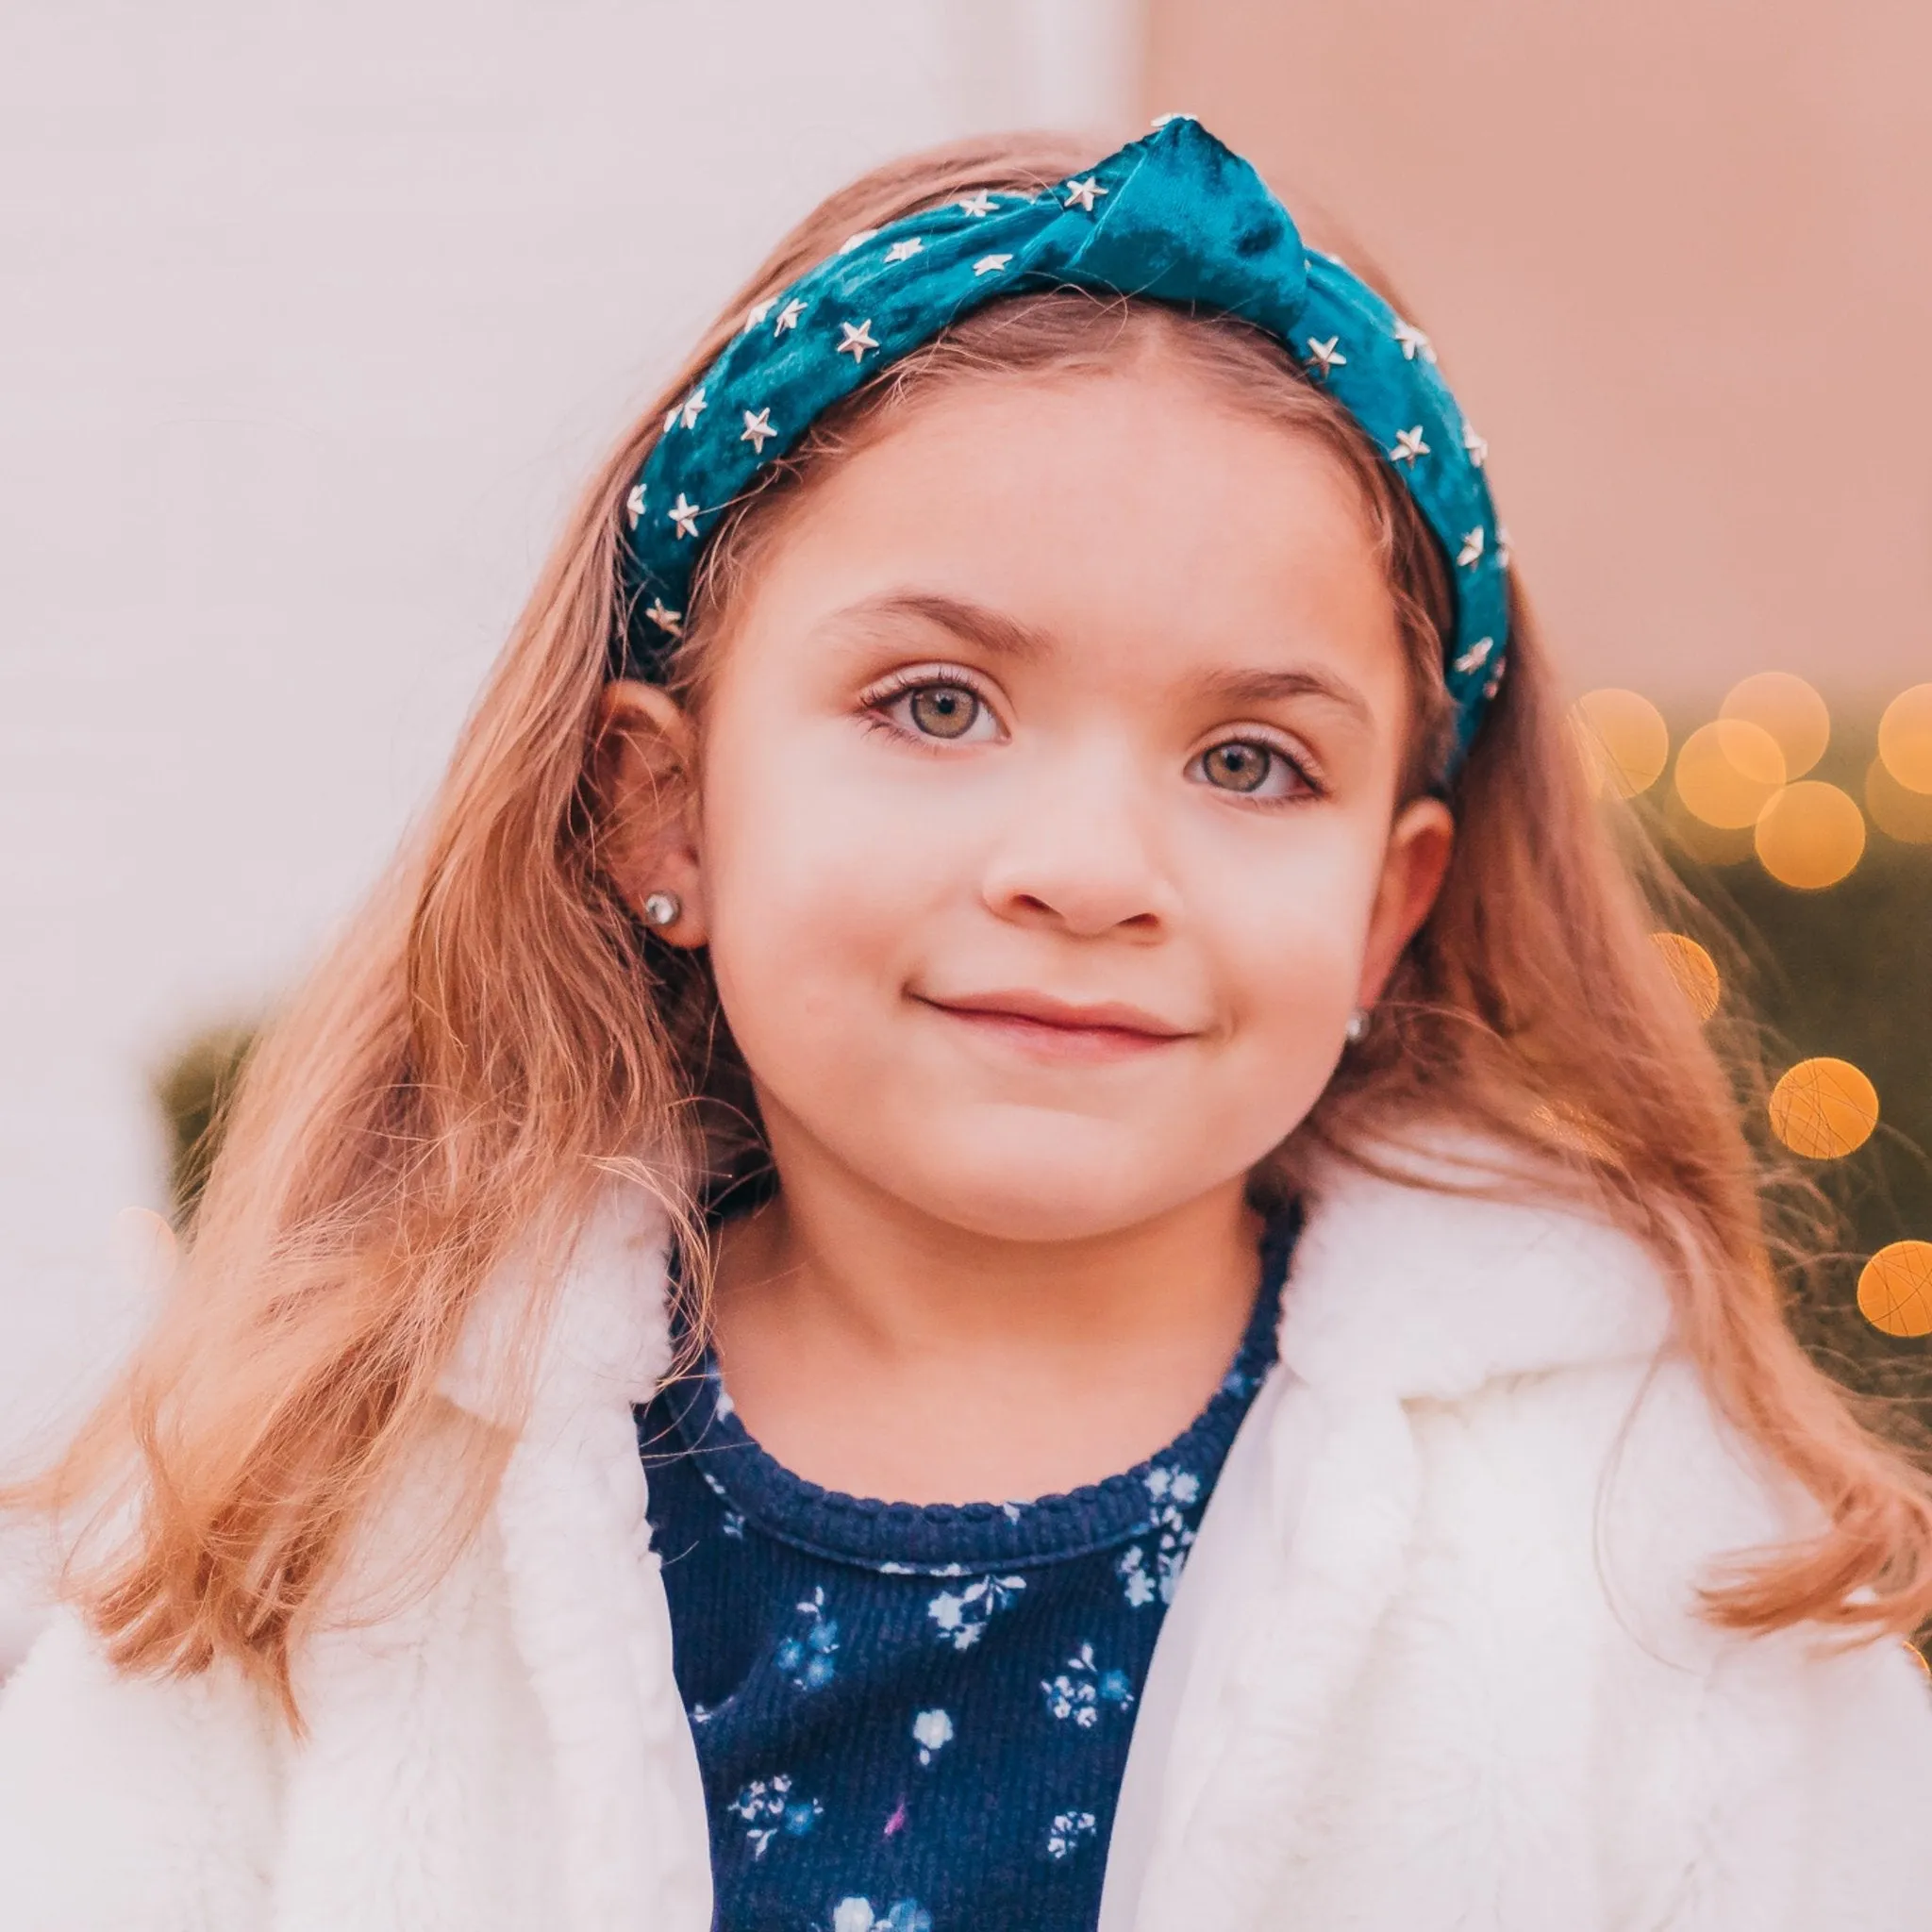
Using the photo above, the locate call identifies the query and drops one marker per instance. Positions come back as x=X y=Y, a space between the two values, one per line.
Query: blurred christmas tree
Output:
x=1847 y=974
x=1807 y=842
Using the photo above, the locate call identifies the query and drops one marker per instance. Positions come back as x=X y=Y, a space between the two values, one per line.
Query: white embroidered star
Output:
x=857 y=341
x=1472 y=546
x=991 y=264
x=1414 y=342
x=978 y=203
x=757 y=313
x=1323 y=357
x=1409 y=446
x=634 y=504
x=1478 y=449
x=684 y=516
x=756 y=428
x=1475 y=656
x=1081 y=194
x=1502 y=546
x=670 y=622
x=906 y=250
x=788 y=317
x=671 y=421
x=857 y=241
x=691 y=408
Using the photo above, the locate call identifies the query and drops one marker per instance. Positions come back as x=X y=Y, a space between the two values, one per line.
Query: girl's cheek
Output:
x=1291 y=949
x=803 y=896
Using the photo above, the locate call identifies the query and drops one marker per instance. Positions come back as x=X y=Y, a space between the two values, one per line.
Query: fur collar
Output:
x=1416 y=1291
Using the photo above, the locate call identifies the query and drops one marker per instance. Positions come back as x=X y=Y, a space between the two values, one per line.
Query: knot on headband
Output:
x=1173 y=217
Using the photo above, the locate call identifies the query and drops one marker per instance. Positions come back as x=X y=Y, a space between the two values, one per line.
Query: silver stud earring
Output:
x=1357 y=1028
x=662 y=909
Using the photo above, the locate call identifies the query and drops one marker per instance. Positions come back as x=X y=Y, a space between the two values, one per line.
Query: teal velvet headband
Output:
x=1173 y=217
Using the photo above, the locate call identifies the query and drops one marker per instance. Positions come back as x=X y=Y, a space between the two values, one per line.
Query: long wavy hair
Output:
x=495 y=1039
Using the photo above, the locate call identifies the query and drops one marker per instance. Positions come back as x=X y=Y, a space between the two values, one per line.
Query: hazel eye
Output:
x=1252 y=768
x=941 y=711
x=1238 y=765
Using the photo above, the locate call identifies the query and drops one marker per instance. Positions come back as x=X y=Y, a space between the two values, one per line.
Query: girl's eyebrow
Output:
x=992 y=631
x=1263 y=687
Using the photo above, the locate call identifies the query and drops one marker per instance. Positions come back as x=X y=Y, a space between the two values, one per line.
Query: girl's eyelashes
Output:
x=1256 y=767
x=941 y=706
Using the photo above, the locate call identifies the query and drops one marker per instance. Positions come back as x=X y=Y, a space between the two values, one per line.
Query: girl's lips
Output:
x=1058 y=1029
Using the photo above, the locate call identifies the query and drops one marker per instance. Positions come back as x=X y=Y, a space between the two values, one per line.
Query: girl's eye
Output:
x=941 y=711
x=1250 y=767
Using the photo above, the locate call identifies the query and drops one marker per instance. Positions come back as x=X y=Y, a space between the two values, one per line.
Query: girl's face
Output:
x=1045 y=834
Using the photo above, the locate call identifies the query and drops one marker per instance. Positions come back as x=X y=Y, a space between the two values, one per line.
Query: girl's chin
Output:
x=1043 y=1199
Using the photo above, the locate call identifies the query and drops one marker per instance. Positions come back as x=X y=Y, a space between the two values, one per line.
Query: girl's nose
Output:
x=1081 y=851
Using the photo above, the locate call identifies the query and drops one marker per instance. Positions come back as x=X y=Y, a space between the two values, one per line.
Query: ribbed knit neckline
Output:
x=949 y=1539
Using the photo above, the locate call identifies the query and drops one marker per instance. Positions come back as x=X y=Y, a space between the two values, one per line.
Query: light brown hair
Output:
x=494 y=1040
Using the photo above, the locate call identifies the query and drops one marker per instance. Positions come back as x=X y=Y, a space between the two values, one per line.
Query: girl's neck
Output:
x=880 y=1351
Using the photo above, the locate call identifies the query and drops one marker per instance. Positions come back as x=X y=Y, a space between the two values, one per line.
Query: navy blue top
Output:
x=914 y=1717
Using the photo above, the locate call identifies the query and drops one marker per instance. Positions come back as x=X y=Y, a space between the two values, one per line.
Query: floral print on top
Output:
x=914 y=1718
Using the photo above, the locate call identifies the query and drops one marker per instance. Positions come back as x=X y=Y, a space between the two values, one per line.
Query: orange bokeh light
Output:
x=1694 y=969
x=1897 y=812
x=1624 y=739
x=1790 y=711
x=1810 y=835
x=1895 y=1288
x=1904 y=737
x=1727 y=772
x=1824 y=1109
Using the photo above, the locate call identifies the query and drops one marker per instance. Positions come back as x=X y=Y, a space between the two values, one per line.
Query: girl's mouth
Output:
x=1050 y=1029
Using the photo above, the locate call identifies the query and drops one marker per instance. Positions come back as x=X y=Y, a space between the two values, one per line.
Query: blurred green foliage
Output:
x=1848 y=972
x=1844 y=970
x=193 y=1091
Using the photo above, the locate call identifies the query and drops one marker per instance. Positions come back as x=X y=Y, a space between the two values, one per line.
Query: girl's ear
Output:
x=1420 y=842
x=645 y=776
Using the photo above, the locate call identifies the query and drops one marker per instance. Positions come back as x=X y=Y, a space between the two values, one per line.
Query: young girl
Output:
x=1006 y=1224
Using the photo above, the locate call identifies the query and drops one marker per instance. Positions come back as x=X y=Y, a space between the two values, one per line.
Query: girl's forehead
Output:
x=1113 y=432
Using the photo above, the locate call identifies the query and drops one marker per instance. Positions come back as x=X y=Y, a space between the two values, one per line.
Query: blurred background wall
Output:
x=315 y=315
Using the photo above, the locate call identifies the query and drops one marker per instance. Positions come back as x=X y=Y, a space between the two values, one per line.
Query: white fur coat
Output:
x=1433 y=1664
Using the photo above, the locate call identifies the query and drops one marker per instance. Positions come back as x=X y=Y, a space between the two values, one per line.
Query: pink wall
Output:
x=1676 y=256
